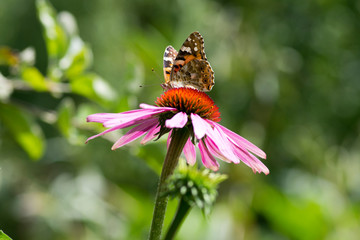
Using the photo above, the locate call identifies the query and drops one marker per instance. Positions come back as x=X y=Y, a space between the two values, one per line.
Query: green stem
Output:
x=181 y=214
x=178 y=140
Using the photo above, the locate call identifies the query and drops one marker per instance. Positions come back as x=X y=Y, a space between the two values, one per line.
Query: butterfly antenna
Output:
x=157 y=75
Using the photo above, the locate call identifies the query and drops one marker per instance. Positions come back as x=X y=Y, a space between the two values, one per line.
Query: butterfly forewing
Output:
x=192 y=48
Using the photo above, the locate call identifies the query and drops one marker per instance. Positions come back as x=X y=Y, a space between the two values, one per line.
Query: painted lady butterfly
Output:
x=189 y=67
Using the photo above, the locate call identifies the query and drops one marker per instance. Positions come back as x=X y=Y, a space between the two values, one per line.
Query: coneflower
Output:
x=195 y=113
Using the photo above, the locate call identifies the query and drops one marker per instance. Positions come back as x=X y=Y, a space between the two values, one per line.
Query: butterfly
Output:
x=188 y=67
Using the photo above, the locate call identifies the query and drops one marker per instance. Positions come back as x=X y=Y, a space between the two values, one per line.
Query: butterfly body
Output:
x=188 y=67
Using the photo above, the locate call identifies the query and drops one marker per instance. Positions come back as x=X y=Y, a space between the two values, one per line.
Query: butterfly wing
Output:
x=192 y=48
x=169 y=58
x=189 y=67
x=196 y=74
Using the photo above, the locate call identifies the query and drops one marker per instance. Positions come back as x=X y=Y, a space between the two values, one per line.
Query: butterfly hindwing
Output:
x=169 y=58
x=196 y=74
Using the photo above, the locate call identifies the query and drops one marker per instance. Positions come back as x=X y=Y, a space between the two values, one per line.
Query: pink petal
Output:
x=199 y=125
x=147 y=106
x=104 y=117
x=251 y=161
x=190 y=152
x=101 y=117
x=102 y=133
x=127 y=119
x=240 y=141
x=207 y=159
x=116 y=128
x=135 y=133
x=246 y=157
x=177 y=121
x=150 y=135
x=214 y=150
x=222 y=143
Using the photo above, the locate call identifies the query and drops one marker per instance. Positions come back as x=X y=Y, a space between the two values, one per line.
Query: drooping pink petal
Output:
x=202 y=127
x=222 y=143
x=251 y=160
x=199 y=125
x=214 y=150
x=207 y=159
x=135 y=133
x=177 y=121
x=150 y=135
x=241 y=153
x=240 y=141
x=190 y=152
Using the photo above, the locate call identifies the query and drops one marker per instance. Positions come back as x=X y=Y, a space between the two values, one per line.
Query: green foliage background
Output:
x=287 y=78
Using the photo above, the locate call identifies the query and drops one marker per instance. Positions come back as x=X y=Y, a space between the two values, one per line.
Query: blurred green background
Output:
x=287 y=78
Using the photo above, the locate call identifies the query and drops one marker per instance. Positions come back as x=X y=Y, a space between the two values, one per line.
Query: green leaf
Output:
x=298 y=218
x=93 y=87
x=3 y=236
x=68 y=22
x=77 y=59
x=65 y=121
x=6 y=88
x=24 y=130
x=27 y=56
x=55 y=36
x=34 y=77
x=65 y=112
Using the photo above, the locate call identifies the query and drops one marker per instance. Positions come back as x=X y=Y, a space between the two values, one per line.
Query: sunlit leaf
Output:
x=68 y=22
x=6 y=88
x=65 y=121
x=3 y=236
x=27 y=56
x=55 y=36
x=34 y=77
x=24 y=130
x=65 y=113
x=92 y=86
x=77 y=58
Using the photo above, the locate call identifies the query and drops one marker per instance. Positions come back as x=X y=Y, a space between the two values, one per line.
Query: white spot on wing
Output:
x=168 y=58
x=186 y=49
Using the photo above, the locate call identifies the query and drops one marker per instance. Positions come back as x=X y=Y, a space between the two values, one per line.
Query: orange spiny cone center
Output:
x=190 y=100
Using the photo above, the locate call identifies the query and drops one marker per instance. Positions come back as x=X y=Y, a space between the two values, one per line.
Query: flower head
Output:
x=180 y=108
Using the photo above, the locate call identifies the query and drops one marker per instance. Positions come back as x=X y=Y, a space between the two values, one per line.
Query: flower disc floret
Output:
x=189 y=100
